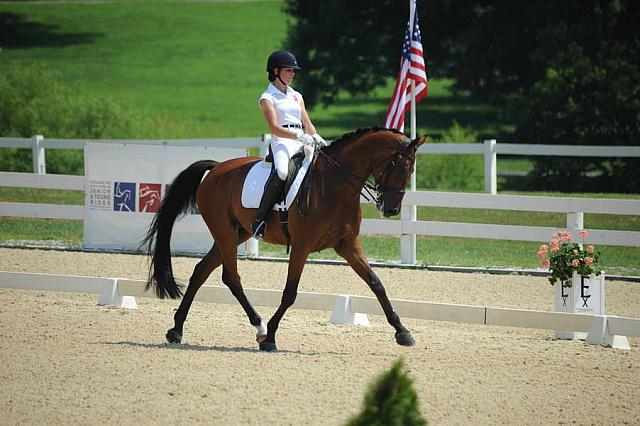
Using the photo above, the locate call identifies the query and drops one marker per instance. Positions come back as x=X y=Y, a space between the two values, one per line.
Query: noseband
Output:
x=382 y=187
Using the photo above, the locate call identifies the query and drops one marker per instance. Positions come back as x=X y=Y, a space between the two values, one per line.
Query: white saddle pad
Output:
x=253 y=187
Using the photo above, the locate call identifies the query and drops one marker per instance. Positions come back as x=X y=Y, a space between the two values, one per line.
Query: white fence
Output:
x=407 y=228
x=601 y=329
x=490 y=149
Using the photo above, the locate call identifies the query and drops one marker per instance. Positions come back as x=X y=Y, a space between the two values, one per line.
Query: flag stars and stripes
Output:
x=412 y=68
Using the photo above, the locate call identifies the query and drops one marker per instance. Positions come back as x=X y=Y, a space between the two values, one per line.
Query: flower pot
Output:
x=585 y=296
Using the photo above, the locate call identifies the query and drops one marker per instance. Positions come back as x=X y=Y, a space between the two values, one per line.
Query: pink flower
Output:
x=546 y=263
x=575 y=262
x=554 y=249
x=544 y=248
x=566 y=236
x=555 y=235
x=590 y=249
x=584 y=234
x=588 y=260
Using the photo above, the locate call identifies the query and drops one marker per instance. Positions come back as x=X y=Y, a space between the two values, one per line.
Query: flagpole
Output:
x=412 y=9
x=408 y=241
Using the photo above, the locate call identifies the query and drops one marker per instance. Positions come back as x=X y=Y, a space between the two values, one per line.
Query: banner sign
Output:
x=124 y=184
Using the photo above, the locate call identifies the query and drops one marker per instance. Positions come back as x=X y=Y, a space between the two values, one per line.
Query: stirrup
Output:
x=258 y=229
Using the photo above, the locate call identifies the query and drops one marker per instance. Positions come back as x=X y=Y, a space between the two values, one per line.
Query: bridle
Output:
x=369 y=186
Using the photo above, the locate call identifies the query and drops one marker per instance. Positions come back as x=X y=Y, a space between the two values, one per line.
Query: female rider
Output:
x=290 y=127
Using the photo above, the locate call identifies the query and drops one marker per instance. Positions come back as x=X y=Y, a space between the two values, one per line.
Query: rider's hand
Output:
x=305 y=139
x=319 y=140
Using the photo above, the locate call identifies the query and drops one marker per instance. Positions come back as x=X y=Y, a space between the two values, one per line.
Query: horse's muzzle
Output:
x=391 y=203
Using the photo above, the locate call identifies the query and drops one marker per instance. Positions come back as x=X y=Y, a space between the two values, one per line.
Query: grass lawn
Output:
x=199 y=66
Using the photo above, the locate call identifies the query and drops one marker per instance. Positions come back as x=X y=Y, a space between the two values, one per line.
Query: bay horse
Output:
x=332 y=221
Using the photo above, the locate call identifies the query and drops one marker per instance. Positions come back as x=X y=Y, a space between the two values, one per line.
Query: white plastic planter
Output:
x=585 y=296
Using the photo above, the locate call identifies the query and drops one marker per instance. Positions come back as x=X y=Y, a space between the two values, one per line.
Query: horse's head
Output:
x=393 y=173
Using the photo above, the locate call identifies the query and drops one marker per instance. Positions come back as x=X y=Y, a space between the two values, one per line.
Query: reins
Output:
x=369 y=185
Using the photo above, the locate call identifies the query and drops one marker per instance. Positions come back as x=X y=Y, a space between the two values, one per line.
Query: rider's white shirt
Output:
x=287 y=105
x=289 y=111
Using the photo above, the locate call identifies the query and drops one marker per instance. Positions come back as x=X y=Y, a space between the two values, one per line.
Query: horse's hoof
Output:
x=405 y=339
x=268 y=346
x=173 y=336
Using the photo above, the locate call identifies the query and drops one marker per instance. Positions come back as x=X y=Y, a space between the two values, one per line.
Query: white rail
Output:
x=122 y=292
x=407 y=228
x=489 y=149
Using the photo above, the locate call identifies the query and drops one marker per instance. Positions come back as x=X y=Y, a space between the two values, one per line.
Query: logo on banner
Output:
x=149 y=197
x=124 y=196
x=100 y=195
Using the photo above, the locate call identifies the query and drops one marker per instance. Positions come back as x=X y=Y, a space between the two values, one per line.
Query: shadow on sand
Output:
x=192 y=347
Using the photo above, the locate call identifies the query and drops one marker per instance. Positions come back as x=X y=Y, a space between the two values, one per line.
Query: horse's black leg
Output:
x=231 y=278
x=353 y=253
x=200 y=274
x=296 y=265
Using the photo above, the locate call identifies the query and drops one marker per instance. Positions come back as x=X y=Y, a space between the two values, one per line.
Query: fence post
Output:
x=490 y=169
x=39 y=166
x=408 y=241
x=575 y=221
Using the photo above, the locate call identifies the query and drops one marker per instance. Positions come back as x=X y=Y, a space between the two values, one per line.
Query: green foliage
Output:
x=589 y=99
x=390 y=400
x=564 y=73
x=566 y=257
x=345 y=45
x=65 y=161
x=33 y=100
x=449 y=172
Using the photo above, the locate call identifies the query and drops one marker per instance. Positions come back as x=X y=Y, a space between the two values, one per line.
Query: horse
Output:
x=332 y=221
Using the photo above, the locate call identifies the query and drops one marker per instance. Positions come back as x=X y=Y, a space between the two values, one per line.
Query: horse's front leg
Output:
x=296 y=265
x=353 y=253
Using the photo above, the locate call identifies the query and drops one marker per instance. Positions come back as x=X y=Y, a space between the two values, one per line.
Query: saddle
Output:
x=303 y=196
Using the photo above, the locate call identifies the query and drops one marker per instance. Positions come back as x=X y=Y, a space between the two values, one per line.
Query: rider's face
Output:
x=286 y=75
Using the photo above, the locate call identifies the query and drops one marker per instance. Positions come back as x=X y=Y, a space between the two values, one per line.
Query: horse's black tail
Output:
x=179 y=200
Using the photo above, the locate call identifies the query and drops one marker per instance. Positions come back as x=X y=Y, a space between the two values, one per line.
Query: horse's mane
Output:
x=348 y=137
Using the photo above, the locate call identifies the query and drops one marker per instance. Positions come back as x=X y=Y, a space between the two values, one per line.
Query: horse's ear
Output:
x=418 y=141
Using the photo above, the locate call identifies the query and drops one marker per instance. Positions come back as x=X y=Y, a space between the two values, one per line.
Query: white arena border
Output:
x=605 y=330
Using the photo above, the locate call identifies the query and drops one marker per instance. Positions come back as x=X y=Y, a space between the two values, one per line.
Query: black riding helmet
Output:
x=281 y=59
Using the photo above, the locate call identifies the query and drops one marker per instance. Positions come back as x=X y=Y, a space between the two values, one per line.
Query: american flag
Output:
x=411 y=68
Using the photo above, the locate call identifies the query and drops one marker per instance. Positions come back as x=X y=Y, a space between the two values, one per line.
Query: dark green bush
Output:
x=390 y=400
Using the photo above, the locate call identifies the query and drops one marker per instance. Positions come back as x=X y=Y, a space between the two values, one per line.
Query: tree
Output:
x=564 y=72
x=341 y=45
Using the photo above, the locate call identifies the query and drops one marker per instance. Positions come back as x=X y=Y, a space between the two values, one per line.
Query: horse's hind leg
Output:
x=201 y=272
x=231 y=278
x=353 y=253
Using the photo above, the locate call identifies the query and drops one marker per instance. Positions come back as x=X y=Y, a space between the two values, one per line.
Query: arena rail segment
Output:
x=605 y=330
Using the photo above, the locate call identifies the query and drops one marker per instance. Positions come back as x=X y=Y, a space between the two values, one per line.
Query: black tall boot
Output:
x=272 y=192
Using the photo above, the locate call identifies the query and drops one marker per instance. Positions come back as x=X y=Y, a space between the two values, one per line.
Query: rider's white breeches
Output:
x=283 y=149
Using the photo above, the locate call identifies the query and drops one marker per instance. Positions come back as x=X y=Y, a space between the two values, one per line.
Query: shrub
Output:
x=33 y=100
x=390 y=400
x=451 y=172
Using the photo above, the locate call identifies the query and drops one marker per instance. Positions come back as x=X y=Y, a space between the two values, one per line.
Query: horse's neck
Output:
x=358 y=156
